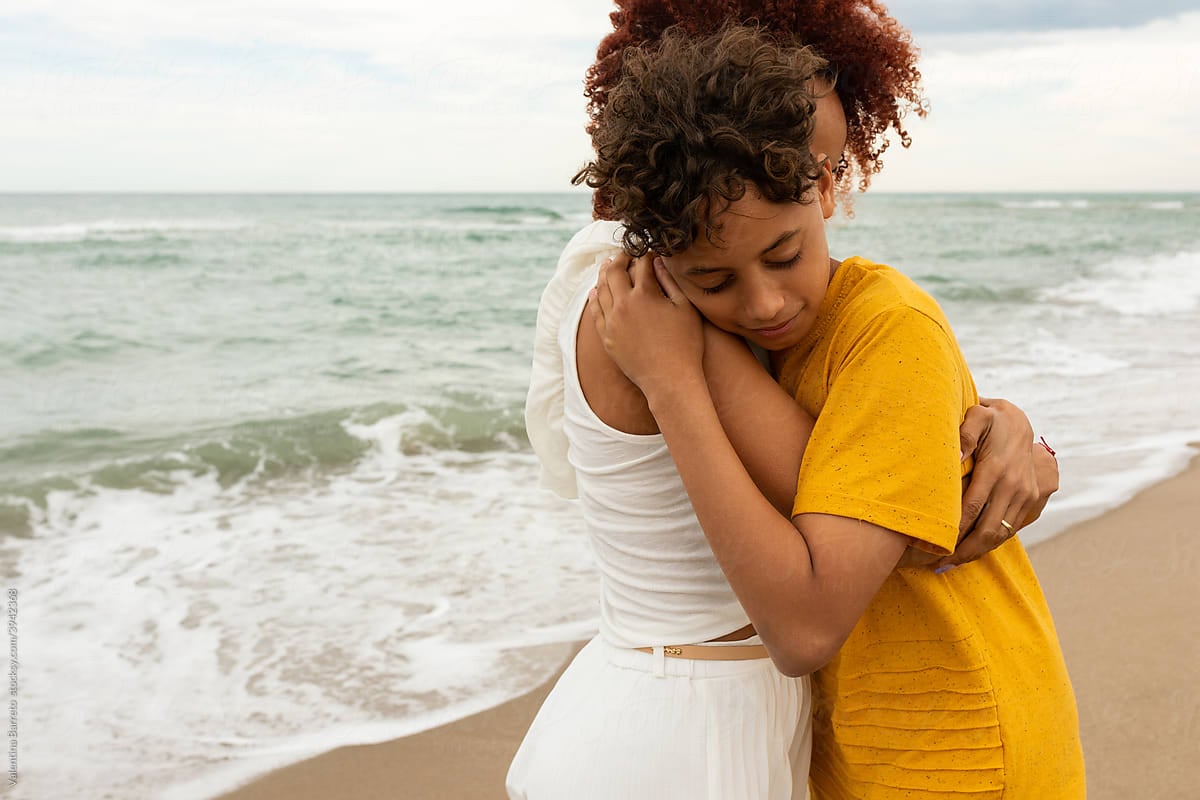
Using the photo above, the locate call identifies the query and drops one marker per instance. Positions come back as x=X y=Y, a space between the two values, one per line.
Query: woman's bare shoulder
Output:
x=614 y=398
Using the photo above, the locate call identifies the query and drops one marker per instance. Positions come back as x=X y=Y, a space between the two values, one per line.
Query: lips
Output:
x=776 y=330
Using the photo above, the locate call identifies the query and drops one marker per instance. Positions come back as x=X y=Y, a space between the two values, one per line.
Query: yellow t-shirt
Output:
x=950 y=685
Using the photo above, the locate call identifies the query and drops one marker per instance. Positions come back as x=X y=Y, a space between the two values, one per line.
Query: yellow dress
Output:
x=952 y=685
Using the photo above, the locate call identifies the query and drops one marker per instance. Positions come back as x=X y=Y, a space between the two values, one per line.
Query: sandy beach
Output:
x=1123 y=591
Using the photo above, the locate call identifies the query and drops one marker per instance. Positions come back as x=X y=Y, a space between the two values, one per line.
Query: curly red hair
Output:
x=871 y=56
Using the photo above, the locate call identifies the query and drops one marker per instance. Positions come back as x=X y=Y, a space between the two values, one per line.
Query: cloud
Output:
x=304 y=95
x=965 y=16
x=333 y=131
x=1090 y=110
x=263 y=95
x=407 y=37
x=482 y=52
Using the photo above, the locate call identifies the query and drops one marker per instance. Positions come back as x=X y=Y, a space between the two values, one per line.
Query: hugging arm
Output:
x=803 y=583
x=766 y=427
x=1012 y=479
x=769 y=432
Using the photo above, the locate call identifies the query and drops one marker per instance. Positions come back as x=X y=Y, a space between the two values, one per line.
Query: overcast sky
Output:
x=372 y=95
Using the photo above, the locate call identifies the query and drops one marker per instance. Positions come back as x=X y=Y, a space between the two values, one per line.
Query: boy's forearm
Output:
x=764 y=557
x=803 y=586
x=745 y=395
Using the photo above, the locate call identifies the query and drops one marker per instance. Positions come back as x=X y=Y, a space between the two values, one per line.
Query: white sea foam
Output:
x=1044 y=204
x=1127 y=467
x=123 y=230
x=1159 y=284
x=467 y=223
x=1066 y=361
x=410 y=591
x=1165 y=205
x=1015 y=361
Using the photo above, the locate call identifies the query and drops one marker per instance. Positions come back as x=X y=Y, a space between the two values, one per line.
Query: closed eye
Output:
x=791 y=262
x=723 y=285
x=719 y=287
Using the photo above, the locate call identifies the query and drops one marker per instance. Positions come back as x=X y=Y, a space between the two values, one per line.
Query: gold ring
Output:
x=1008 y=526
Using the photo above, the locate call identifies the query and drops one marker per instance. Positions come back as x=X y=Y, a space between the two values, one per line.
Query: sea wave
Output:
x=1040 y=355
x=506 y=211
x=456 y=224
x=377 y=598
x=1045 y=203
x=255 y=452
x=119 y=230
x=1160 y=284
x=961 y=291
x=85 y=346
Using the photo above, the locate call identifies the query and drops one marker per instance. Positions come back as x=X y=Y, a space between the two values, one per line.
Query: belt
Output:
x=733 y=652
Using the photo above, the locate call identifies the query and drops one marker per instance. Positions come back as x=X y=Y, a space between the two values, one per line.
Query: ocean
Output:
x=264 y=481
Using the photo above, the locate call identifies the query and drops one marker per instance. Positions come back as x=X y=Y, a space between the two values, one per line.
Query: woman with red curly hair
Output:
x=871 y=60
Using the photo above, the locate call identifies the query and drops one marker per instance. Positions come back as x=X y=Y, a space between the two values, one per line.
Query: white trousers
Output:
x=626 y=725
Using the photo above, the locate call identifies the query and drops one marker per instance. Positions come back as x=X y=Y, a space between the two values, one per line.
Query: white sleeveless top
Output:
x=660 y=583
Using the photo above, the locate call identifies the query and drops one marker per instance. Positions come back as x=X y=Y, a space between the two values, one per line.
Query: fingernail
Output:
x=962 y=456
x=944 y=568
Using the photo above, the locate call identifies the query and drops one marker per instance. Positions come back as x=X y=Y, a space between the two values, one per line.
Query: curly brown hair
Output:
x=871 y=56
x=693 y=122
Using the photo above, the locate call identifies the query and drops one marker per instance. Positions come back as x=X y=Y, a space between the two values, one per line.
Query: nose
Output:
x=762 y=300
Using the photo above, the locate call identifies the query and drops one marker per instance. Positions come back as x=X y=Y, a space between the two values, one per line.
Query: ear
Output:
x=824 y=186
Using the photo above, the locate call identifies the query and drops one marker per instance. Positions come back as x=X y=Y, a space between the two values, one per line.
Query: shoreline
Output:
x=1121 y=605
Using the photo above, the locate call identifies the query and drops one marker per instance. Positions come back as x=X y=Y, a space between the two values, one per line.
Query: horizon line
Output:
x=580 y=192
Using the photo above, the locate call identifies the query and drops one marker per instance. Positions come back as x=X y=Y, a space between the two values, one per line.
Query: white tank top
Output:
x=659 y=581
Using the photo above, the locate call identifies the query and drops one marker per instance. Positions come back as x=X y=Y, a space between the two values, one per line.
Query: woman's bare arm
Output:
x=1012 y=480
x=803 y=582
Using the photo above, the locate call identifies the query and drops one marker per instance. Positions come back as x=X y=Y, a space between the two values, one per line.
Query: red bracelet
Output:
x=1042 y=441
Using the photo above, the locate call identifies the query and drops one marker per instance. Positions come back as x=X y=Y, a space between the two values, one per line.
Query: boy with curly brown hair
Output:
x=870 y=69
